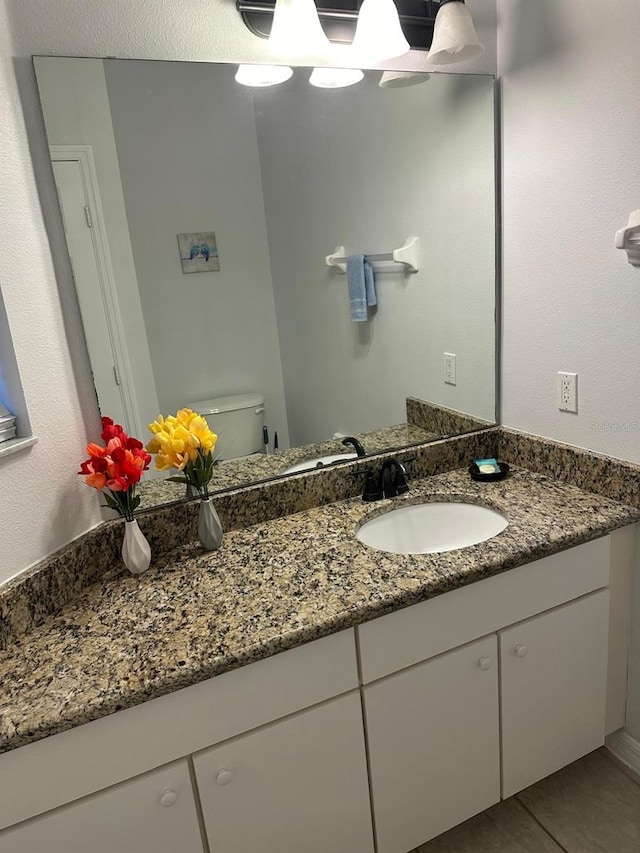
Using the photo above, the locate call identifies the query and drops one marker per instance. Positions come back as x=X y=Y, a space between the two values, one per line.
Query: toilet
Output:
x=237 y=420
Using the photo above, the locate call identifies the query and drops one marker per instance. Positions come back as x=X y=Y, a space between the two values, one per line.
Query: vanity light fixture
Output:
x=454 y=36
x=296 y=28
x=379 y=35
x=335 y=78
x=262 y=75
x=402 y=79
x=378 y=29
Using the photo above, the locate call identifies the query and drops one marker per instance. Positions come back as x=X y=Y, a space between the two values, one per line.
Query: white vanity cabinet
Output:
x=299 y=784
x=450 y=717
x=433 y=733
x=154 y=813
x=554 y=685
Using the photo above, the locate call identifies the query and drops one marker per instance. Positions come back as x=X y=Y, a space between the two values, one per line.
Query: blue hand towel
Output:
x=362 y=287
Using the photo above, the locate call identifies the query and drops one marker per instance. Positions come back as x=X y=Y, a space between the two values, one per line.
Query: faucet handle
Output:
x=372 y=488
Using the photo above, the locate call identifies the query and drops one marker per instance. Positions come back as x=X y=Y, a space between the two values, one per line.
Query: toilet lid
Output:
x=227 y=404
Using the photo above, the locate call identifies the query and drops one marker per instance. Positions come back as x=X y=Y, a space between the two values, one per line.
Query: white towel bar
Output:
x=409 y=255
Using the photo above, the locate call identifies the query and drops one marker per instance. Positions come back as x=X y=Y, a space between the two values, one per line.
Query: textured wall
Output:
x=42 y=503
x=571 y=167
x=571 y=175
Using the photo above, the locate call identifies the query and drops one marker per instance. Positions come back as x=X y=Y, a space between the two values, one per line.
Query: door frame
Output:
x=83 y=156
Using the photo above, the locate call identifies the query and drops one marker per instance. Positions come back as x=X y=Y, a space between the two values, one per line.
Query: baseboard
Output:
x=625 y=748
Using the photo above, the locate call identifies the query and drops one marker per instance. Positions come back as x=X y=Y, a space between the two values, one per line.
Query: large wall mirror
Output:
x=201 y=215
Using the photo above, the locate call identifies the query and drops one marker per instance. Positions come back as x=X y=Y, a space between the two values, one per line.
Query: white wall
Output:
x=188 y=154
x=571 y=175
x=49 y=341
x=40 y=505
x=366 y=167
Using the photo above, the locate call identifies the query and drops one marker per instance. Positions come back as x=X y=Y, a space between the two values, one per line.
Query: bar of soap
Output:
x=488 y=466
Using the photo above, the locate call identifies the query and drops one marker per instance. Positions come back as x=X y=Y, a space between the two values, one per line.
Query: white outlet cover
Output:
x=568 y=392
x=450 y=368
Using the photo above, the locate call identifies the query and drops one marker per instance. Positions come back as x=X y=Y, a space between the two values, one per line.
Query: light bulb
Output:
x=454 y=36
x=262 y=75
x=335 y=78
x=378 y=32
x=402 y=79
x=296 y=28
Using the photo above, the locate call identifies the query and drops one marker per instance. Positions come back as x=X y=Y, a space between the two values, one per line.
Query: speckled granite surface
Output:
x=261 y=467
x=52 y=583
x=440 y=420
x=271 y=586
x=594 y=472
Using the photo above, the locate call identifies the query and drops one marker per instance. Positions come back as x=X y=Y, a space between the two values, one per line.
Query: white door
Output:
x=554 y=685
x=98 y=318
x=296 y=786
x=154 y=813
x=434 y=745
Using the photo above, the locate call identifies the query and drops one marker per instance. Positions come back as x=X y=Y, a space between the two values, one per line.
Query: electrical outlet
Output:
x=568 y=392
x=450 y=359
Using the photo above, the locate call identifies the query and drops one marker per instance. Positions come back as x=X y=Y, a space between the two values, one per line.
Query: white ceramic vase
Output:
x=209 y=527
x=136 y=552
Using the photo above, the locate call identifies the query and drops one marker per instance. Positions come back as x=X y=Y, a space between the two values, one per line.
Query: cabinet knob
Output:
x=521 y=651
x=223 y=776
x=485 y=663
x=168 y=797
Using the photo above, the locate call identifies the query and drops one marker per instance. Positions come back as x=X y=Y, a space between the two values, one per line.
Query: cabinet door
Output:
x=433 y=745
x=297 y=785
x=554 y=680
x=154 y=813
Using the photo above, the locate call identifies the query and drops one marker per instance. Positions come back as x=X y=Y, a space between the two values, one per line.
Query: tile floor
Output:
x=591 y=806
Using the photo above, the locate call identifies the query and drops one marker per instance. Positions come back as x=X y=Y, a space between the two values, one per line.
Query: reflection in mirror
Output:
x=200 y=215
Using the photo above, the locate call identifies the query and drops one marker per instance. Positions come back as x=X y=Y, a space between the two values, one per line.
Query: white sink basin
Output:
x=431 y=528
x=319 y=462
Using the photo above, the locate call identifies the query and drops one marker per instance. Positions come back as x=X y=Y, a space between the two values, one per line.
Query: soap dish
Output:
x=488 y=478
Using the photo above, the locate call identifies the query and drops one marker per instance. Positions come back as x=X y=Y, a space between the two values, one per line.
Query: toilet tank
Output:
x=237 y=421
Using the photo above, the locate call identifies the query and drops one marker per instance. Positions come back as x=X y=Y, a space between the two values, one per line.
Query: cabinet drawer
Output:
x=61 y=768
x=155 y=813
x=419 y=632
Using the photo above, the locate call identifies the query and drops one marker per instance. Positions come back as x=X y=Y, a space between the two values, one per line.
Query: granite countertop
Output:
x=269 y=588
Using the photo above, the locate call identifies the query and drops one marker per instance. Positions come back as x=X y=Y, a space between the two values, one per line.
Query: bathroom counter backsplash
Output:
x=272 y=586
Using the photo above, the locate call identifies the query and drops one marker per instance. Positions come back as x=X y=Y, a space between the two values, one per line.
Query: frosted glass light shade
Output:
x=296 y=28
x=335 y=78
x=402 y=79
x=378 y=32
x=454 y=36
x=262 y=75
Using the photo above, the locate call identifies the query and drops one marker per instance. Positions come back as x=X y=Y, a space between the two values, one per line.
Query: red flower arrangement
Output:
x=116 y=468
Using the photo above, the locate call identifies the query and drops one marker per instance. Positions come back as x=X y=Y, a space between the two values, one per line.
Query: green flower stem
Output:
x=124 y=503
x=198 y=474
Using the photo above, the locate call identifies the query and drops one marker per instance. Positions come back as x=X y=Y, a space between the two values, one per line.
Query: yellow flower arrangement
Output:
x=184 y=441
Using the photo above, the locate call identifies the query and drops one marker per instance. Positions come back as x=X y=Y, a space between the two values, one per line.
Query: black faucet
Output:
x=393 y=478
x=350 y=440
x=389 y=483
